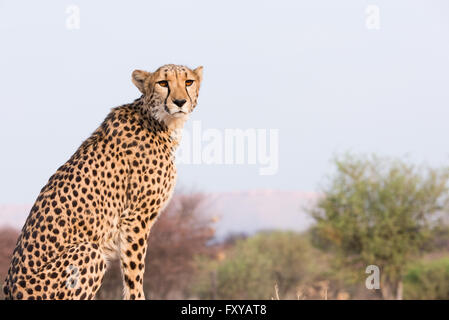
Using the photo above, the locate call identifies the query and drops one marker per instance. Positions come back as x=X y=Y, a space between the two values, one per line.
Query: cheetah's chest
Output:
x=160 y=180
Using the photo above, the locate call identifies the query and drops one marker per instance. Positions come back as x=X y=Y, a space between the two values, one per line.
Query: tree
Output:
x=8 y=240
x=379 y=211
x=182 y=232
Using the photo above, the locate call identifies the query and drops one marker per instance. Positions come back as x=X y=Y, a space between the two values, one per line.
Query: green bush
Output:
x=428 y=280
x=253 y=266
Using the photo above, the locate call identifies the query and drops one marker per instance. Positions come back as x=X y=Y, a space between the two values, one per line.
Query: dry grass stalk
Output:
x=276 y=292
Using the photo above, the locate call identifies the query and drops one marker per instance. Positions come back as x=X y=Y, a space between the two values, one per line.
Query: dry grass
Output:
x=322 y=288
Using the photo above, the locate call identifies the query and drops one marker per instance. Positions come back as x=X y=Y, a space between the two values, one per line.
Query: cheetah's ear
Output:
x=199 y=73
x=139 y=78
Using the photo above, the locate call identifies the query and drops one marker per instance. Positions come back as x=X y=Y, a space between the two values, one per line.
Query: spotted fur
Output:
x=104 y=200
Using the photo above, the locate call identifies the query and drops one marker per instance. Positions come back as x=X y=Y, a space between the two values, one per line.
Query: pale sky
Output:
x=310 y=69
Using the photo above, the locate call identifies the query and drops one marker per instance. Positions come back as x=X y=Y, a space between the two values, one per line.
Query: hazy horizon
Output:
x=233 y=212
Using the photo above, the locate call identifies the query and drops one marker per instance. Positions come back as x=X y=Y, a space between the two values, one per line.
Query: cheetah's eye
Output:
x=189 y=83
x=163 y=83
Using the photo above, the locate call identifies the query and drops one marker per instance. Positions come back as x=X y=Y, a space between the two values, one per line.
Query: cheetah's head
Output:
x=171 y=92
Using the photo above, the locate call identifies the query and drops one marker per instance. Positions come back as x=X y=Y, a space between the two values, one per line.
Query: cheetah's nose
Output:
x=179 y=103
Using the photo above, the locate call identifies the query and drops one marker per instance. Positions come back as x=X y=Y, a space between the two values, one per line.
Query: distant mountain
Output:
x=237 y=212
x=251 y=211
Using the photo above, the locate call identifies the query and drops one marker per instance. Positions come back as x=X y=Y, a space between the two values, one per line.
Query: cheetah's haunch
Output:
x=104 y=200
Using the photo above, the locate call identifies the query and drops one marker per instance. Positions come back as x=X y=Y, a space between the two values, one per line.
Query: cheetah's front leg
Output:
x=134 y=232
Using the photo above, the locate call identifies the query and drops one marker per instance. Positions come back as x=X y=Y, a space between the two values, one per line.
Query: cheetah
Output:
x=103 y=201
